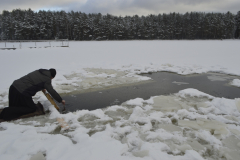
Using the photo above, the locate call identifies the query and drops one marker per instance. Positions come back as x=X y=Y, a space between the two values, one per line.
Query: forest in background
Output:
x=47 y=25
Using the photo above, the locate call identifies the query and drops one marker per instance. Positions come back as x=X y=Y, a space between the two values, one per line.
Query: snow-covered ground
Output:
x=187 y=125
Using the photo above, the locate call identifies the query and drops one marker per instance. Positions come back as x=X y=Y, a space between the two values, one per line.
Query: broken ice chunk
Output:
x=232 y=142
x=184 y=147
x=230 y=154
x=193 y=93
x=38 y=156
x=170 y=127
x=168 y=104
x=196 y=145
x=217 y=128
x=237 y=102
x=235 y=82
x=180 y=83
x=135 y=102
x=234 y=131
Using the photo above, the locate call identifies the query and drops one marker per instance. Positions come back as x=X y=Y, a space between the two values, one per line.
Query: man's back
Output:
x=35 y=81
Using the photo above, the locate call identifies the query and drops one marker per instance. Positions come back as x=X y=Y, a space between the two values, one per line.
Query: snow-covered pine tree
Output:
x=237 y=21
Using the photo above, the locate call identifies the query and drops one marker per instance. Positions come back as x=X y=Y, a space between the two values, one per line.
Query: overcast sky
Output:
x=125 y=7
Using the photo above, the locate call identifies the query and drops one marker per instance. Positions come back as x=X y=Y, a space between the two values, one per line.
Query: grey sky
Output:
x=125 y=7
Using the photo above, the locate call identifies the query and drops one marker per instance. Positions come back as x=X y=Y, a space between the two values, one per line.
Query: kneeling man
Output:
x=21 y=92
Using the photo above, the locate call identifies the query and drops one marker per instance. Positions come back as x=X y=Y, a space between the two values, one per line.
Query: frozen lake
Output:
x=193 y=114
x=162 y=83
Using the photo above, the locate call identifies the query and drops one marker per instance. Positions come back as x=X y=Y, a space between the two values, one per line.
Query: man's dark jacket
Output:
x=36 y=81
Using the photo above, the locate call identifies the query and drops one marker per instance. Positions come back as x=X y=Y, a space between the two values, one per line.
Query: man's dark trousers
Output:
x=19 y=105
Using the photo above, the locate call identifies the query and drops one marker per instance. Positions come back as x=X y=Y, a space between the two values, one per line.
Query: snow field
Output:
x=131 y=57
x=187 y=125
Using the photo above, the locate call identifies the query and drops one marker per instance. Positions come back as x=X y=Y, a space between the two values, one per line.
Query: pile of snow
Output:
x=184 y=126
x=193 y=93
x=236 y=82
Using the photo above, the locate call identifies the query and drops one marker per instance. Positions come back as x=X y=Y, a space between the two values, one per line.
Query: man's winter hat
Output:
x=53 y=72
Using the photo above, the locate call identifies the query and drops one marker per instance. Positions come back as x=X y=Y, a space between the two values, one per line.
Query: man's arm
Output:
x=53 y=93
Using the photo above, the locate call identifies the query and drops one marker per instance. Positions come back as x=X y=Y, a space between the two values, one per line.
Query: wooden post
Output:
x=51 y=100
x=61 y=121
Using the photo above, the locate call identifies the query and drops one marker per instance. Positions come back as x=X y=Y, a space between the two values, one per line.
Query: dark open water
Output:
x=164 y=83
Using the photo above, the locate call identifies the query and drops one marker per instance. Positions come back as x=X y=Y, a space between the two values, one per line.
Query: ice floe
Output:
x=95 y=78
x=179 y=83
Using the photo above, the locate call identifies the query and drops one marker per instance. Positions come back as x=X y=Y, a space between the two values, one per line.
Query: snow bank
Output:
x=183 y=126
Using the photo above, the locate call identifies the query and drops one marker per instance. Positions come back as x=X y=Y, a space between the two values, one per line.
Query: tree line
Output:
x=46 y=25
